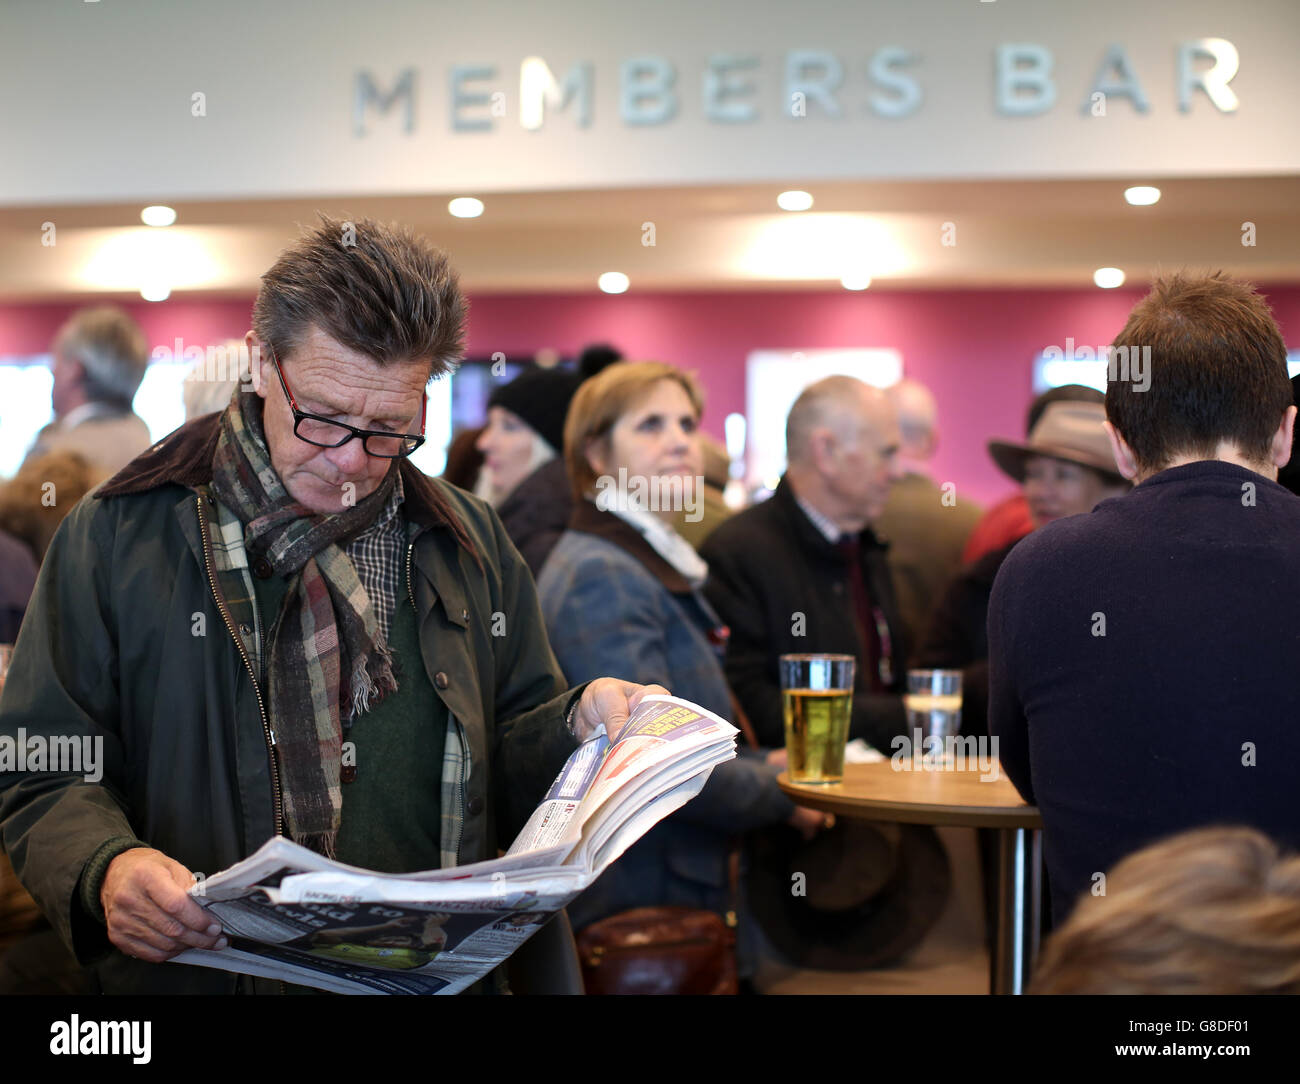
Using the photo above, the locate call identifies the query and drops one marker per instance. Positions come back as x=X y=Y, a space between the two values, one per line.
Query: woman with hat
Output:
x=1065 y=469
x=523 y=475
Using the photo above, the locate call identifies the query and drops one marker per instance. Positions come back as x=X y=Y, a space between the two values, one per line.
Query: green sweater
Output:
x=391 y=808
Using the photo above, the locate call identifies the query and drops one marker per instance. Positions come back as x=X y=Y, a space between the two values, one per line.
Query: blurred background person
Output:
x=523 y=474
x=208 y=386
x=45 y=489
x=804 y=570
x=621 y=589
x=1215 y=911
x=464 y=460
x=695 y=525
x=1066 y=468
x=924 y=527
x=596 y=358
x=17 y=578
x=1009 y=519
x=100 y=356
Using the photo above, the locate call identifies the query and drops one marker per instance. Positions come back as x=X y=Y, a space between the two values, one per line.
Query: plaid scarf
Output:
x=329 y=660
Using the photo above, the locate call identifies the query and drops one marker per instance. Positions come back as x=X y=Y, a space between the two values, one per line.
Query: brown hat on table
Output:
x=1067 y=430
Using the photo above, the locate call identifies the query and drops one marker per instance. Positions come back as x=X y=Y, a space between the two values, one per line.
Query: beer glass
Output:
x=933 y=703
x=817 y=691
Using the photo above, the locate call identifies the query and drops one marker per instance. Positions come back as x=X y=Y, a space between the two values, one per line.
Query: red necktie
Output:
x=864 y=613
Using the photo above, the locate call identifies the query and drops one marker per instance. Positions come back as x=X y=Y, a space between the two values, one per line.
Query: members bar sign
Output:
x=891 y=83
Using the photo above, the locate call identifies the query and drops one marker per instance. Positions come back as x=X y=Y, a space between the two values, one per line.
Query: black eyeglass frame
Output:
x=300 y=415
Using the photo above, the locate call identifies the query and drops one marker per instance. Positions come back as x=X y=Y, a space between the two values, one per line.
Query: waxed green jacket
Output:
x=124 y=641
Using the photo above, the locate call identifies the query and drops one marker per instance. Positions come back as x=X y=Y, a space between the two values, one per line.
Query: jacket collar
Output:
x=589 y=519
x=185 y=458
x=807 y=531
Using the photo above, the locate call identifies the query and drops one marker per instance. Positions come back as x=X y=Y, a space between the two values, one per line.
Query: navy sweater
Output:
x=1186 y=712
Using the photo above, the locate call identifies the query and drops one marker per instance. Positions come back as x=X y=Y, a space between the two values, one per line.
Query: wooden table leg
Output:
x=1020 y=879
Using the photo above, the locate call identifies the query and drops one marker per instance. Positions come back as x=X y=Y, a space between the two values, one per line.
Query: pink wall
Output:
x=973 y=348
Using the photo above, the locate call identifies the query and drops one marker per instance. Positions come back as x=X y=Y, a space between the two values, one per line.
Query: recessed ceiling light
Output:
x=1108 y=277
x=466 y=207
x=158 y=215
x=855 y=280
x=156 y=291
x=1142 y=195
x=613 y=282
x=794 y=200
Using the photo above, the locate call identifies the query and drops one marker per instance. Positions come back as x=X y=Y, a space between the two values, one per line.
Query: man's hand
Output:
x=609 y=701
x=810 y=821
x=150 y=913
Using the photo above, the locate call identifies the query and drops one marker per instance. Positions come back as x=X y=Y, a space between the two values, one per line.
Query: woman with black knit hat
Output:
x=523 y=473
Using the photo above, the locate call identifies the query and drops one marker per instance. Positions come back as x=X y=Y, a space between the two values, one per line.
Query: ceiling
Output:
x=1003 y=234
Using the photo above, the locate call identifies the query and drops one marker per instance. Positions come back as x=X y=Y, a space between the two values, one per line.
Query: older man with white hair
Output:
x=925 y=524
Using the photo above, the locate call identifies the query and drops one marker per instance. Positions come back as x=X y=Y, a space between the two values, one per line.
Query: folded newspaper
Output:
x=290 y=914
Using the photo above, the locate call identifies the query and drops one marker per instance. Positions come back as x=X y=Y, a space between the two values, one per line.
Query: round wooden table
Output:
x=963 y=797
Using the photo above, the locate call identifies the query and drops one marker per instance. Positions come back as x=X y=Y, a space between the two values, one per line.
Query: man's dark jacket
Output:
x=124 y=641
x=1144 y=668
x=782 y=588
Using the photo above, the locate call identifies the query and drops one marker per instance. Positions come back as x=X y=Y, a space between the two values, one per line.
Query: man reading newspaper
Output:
x=292 y=914
x=272 y=624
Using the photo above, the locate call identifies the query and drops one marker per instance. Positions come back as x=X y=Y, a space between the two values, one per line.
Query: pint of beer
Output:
x=817 y=691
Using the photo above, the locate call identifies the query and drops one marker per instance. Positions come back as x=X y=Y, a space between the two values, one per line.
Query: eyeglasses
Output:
x=327 y=433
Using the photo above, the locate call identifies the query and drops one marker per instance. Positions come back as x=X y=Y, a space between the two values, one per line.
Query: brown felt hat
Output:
x=1067 y=430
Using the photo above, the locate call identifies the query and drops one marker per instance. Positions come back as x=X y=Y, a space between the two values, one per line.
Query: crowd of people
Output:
x=1124 y=626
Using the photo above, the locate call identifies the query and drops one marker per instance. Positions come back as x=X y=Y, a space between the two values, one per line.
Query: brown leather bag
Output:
x=659 y=950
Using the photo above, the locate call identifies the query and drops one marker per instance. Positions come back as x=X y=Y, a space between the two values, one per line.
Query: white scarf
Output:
x=666 y=542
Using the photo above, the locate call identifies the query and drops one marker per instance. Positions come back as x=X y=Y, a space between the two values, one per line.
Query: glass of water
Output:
x=933 y=703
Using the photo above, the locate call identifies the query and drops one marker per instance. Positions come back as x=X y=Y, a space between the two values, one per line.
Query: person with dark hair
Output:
x=597 y=357
x=523 y=474
x=464 y=460
x=1215 y=911
x=262 y=588
x=100 y=357
x=1010 y=519
x=1142 y=658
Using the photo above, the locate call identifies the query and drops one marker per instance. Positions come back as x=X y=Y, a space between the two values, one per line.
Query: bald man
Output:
x=925 y=525
x=804 y=571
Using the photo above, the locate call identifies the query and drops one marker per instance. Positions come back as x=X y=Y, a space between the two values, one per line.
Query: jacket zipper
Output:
x=261 y=707
x=460 y=789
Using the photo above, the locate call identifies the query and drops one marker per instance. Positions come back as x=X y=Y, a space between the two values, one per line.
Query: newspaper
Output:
x=288 y=913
